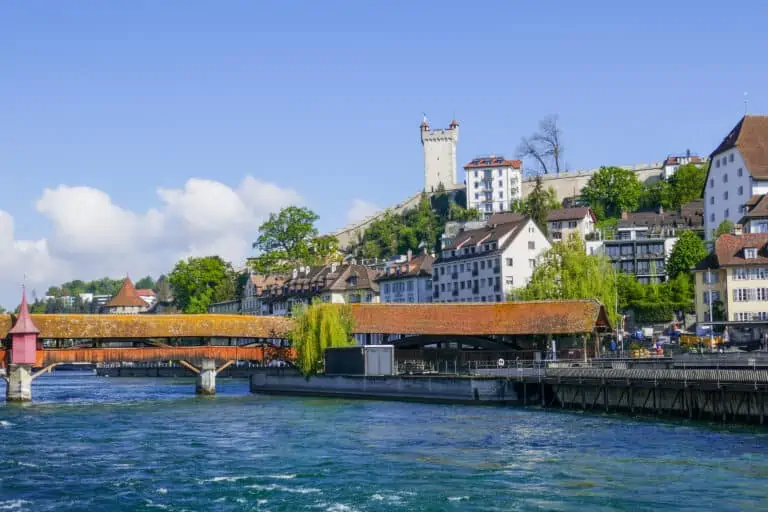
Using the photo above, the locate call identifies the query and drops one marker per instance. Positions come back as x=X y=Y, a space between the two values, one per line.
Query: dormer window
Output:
x=352 y=280
x=750 y=253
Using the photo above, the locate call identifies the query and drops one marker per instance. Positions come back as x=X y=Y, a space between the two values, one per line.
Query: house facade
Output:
x=738 y=170
x=734 y=279
x=407 y=279
x=486 y=264
x=126 y=302
x=672 y=162
x=561 y=223
x=493 y=182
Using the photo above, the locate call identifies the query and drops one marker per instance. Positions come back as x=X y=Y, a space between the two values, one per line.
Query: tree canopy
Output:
x=687 y=184
x=288 y=239
x=611 y=191
x=538 y=204
x=316 y=328
x=566 y=271
x=724 y=228
x=199 y=282
x=687 y=252
x=146 y=283
x=103 y=286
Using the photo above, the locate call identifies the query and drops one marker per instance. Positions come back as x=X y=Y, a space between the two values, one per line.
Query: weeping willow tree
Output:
x=568 y=272
x=316 y=328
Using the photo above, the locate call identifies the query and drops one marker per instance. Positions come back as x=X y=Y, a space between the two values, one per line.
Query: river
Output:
x=90 y=443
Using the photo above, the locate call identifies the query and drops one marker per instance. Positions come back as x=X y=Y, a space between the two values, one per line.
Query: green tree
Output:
x=687 y=252
x=199 y=282
x=687 y=184
x=613 y=190
x=537 y=204
x=568 y=272
x=724 y=228
x=660 y=193
x=285 y=240
x=317 y=328
x=146 y=283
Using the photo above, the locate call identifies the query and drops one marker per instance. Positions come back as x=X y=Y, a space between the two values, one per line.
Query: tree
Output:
x=199 y=282
x=544 y=146
x=724 y=228
x=613 y=190
x=537 y=204
x=317 y=328
x=687 y=252
x=164 y=292
x=568 y=272
x=687 y=184
x=146 y=283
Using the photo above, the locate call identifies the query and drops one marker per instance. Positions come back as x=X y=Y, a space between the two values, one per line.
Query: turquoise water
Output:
x=95 y=444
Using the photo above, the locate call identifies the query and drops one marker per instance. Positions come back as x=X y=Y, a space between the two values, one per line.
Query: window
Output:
x=501 y=183
x=713 y=295
x=386 y=287
x=750 y=253
x=532 y=245
x=510 y=261
x=712 y=217
x=442 y=271
x=725 y=178
x=461 y=267
x=477 y=196
x=557 y=235
x=499 y=175
x=572 y=224
x=712 y=277
x=410 y=286
x=725 y=161
x=717 y=163
x=501 y=195
x=741 y=190
x=712 y=182
x=740 y=172
x=477 y=184
x=727 y=213
x=725 y=195
x=532 y=263
x=482 y=264
x=462 y=285
x=442 y=287
x=730 y=158
x=712 y=200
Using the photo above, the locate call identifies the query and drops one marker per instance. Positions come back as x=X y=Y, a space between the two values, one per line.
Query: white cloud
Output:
x=361 y=209
x=92 y=236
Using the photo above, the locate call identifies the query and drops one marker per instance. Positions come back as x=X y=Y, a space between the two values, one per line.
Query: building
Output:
x=564 y=221
x=126 y=302
x=407 y=279
x=227 y=307
x=755 y=218
x=493 y=182
x=337 y=283
x=486 y=264
x=254 y=290
x=734 y=277
x=147 y=295
x=672 y=162
x=643 y=241
x=738 y=170
x=439 y=155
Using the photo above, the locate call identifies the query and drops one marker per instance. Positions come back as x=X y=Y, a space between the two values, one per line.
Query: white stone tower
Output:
x=439 y=155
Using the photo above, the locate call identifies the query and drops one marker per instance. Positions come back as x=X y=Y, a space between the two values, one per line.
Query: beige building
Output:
x=564 y=221
x=734 y=278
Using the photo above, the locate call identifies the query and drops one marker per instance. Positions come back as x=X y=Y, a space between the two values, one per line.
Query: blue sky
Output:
x=325 y=98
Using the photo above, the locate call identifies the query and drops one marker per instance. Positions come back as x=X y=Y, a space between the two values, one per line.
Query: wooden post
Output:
x=631 y=399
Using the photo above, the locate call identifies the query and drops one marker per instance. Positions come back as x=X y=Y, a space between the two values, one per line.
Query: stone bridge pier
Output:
x=205 y=374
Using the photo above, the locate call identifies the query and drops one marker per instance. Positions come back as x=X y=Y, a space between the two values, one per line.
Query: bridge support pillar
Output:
x=19 y=386
x=206 y=379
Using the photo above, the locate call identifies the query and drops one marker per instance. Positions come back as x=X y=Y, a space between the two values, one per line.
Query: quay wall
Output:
x=418 y=388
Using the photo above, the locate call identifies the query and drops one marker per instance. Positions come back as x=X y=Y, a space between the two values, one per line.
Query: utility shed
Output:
x=371 y=360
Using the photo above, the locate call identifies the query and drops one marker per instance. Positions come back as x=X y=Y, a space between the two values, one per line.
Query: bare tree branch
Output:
x=544 y=145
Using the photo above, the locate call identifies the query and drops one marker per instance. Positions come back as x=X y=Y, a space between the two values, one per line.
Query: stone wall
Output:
x=569 y=184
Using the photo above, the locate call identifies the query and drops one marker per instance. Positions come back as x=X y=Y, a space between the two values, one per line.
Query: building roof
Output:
x=757 y=208
x=493 y=161
x=750 y=136
x=24 y=323
x=311 y=281
x=514 y=318
x=146 y=292
x=570 y=214
x=729 y=251
x=690 y=216
x=418 y=266
x=127 y=297
x=489 y=234
x=675 y=159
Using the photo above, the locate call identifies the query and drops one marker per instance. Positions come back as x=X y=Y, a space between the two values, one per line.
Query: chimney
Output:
x=738 y=229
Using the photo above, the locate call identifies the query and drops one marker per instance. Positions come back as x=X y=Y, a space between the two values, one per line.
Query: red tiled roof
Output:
x=729 y=251
x=570 y=214
x=127 y=297
x=419 y=265
x=493 y=161
x=24 y=323
x=537 y=317
x=750 y=136
x=674 y=160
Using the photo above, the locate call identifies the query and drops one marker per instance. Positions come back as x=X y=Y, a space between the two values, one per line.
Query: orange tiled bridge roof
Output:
x=512 y=318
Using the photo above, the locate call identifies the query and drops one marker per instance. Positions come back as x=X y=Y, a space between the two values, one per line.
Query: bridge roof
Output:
x=154 y=326
x=513 y=318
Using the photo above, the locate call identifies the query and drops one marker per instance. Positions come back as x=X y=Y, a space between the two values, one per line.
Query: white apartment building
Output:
x=564 y=221
x=672 y=162
x=738 y=170
x=493 y=183
x=439 y=155
x=408 y=279
x=485 y=265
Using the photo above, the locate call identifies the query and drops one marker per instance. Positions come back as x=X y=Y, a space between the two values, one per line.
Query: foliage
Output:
x=544 y=146
x=103 y=286
x=568 y=272
x=687 y=184
x=688 y=251
x=611 y=191
x=656 y=302
x=146 y=283
x=653 y=312
x=724 y=228
x=163 y=289
x=199 y=282
x=316 y=328
x=289 y=239
x=537 y=204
